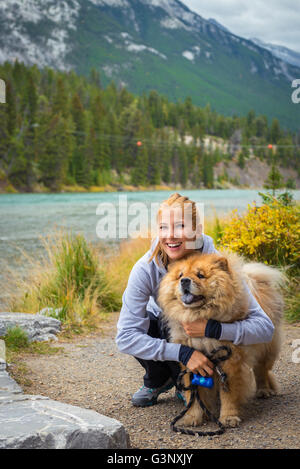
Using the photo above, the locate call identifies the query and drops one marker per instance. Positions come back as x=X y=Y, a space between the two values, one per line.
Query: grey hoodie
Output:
x=140 y=297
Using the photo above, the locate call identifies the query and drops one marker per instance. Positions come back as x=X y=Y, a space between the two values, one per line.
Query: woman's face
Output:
x=176 y=234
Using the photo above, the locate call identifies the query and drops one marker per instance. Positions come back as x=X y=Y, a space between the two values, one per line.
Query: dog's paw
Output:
x=191 y=419
x=264 y=393
x=230 y=421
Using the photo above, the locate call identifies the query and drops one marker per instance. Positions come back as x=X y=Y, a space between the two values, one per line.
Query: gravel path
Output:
x=91 y=373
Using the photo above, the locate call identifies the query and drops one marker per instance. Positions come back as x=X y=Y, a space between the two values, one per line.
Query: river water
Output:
x=26 y=218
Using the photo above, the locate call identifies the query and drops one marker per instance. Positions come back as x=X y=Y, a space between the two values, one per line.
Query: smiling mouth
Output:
x=173 y=245
x=188 y=298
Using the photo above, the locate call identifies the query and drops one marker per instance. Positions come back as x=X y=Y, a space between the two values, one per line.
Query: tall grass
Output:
x=119 y=265
x=71 y=278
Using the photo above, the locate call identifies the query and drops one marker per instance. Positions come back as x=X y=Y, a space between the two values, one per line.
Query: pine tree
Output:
x=139 y=174
x=4 y=138
x=274 y=180
x=208 y=172
x=95 y=77
x=54 y=149
x=89 y=161
x=60 y=99
x=275 y=132
x=154 y=176
x=11 y=108
x=31 y=98
x=78 y=116
x=183 y=167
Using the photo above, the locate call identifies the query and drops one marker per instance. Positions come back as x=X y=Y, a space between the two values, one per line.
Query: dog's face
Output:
x=199 y=280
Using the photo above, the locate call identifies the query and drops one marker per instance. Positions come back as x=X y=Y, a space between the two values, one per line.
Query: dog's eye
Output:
x=199 y=275
x=180 y=275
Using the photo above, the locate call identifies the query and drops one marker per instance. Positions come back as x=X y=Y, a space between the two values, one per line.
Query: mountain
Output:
x=151 y=44
x=284 y=53
x=219 y=25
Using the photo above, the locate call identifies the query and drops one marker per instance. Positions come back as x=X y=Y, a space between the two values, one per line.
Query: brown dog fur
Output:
x=222 y=297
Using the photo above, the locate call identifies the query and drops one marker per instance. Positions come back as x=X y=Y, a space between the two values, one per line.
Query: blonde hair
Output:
x=175 y=200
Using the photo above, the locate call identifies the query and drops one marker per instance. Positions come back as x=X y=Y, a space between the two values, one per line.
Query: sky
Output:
x=273 y=21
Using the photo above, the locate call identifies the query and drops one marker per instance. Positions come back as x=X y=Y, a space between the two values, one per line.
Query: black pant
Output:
x=157 y=373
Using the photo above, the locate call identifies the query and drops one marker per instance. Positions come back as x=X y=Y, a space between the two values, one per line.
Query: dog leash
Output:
x=195 y=395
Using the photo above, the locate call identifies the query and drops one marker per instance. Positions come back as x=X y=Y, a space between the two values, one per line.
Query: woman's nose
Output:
x=170 y=232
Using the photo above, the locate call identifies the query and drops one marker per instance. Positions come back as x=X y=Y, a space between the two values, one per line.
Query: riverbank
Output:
x=228 y=174
x=41 y=189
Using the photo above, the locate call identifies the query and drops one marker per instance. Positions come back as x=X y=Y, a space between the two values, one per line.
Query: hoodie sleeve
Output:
x=134 y=321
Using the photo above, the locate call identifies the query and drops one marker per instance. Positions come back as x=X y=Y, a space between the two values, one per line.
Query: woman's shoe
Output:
x=148 y=396
x=180 y=396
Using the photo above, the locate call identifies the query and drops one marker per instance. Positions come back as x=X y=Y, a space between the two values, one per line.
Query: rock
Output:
x=54 y=313
x=8 y=386
x=38 y=328
x=37 y=422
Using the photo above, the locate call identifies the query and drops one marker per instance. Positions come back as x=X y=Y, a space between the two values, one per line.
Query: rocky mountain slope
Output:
x=151 y=44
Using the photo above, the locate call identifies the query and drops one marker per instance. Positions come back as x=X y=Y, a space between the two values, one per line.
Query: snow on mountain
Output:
x=111 y=3
x=132 y=46
x=23 y=17
x=284 y=53
x=219 y=25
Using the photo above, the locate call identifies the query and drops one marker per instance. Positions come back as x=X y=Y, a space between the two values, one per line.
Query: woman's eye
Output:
x=199 y=275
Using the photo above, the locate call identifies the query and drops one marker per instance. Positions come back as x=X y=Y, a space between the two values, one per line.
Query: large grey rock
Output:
x=8 y=386
x=37 y=327
x=36 y=422
x=41 y=423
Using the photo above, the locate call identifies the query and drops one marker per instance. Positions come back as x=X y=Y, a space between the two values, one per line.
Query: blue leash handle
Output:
x=199 y=380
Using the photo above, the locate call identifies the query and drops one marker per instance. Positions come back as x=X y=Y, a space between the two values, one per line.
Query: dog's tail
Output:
x=258 y=272
x=266 y=283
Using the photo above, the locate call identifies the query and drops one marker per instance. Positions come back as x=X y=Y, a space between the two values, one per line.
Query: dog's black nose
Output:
x=185 y=282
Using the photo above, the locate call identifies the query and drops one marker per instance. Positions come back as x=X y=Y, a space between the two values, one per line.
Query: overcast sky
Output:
x=273 y=21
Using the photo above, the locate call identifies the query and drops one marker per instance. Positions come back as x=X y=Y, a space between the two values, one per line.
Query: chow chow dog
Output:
x=212 y=286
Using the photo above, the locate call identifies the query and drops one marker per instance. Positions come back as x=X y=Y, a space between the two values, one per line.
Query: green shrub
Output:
x=16 y=338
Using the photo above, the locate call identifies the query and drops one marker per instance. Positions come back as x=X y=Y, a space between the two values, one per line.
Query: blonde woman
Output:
x=142 y=334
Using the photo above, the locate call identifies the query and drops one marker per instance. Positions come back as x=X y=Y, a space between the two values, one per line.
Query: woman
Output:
x=140 y=330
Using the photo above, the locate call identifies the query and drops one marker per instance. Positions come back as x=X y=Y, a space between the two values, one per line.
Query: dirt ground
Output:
x=91 y=373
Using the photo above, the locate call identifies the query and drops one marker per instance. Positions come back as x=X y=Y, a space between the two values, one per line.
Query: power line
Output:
x=134 y=140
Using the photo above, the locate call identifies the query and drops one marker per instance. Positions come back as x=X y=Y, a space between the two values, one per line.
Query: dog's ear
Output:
x=222 y=264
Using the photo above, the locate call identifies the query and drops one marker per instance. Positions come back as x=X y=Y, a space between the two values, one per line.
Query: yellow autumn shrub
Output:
x=269 y=233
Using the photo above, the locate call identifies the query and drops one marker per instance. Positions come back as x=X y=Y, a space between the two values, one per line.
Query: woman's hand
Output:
x=195 y=329
x=199 y=363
